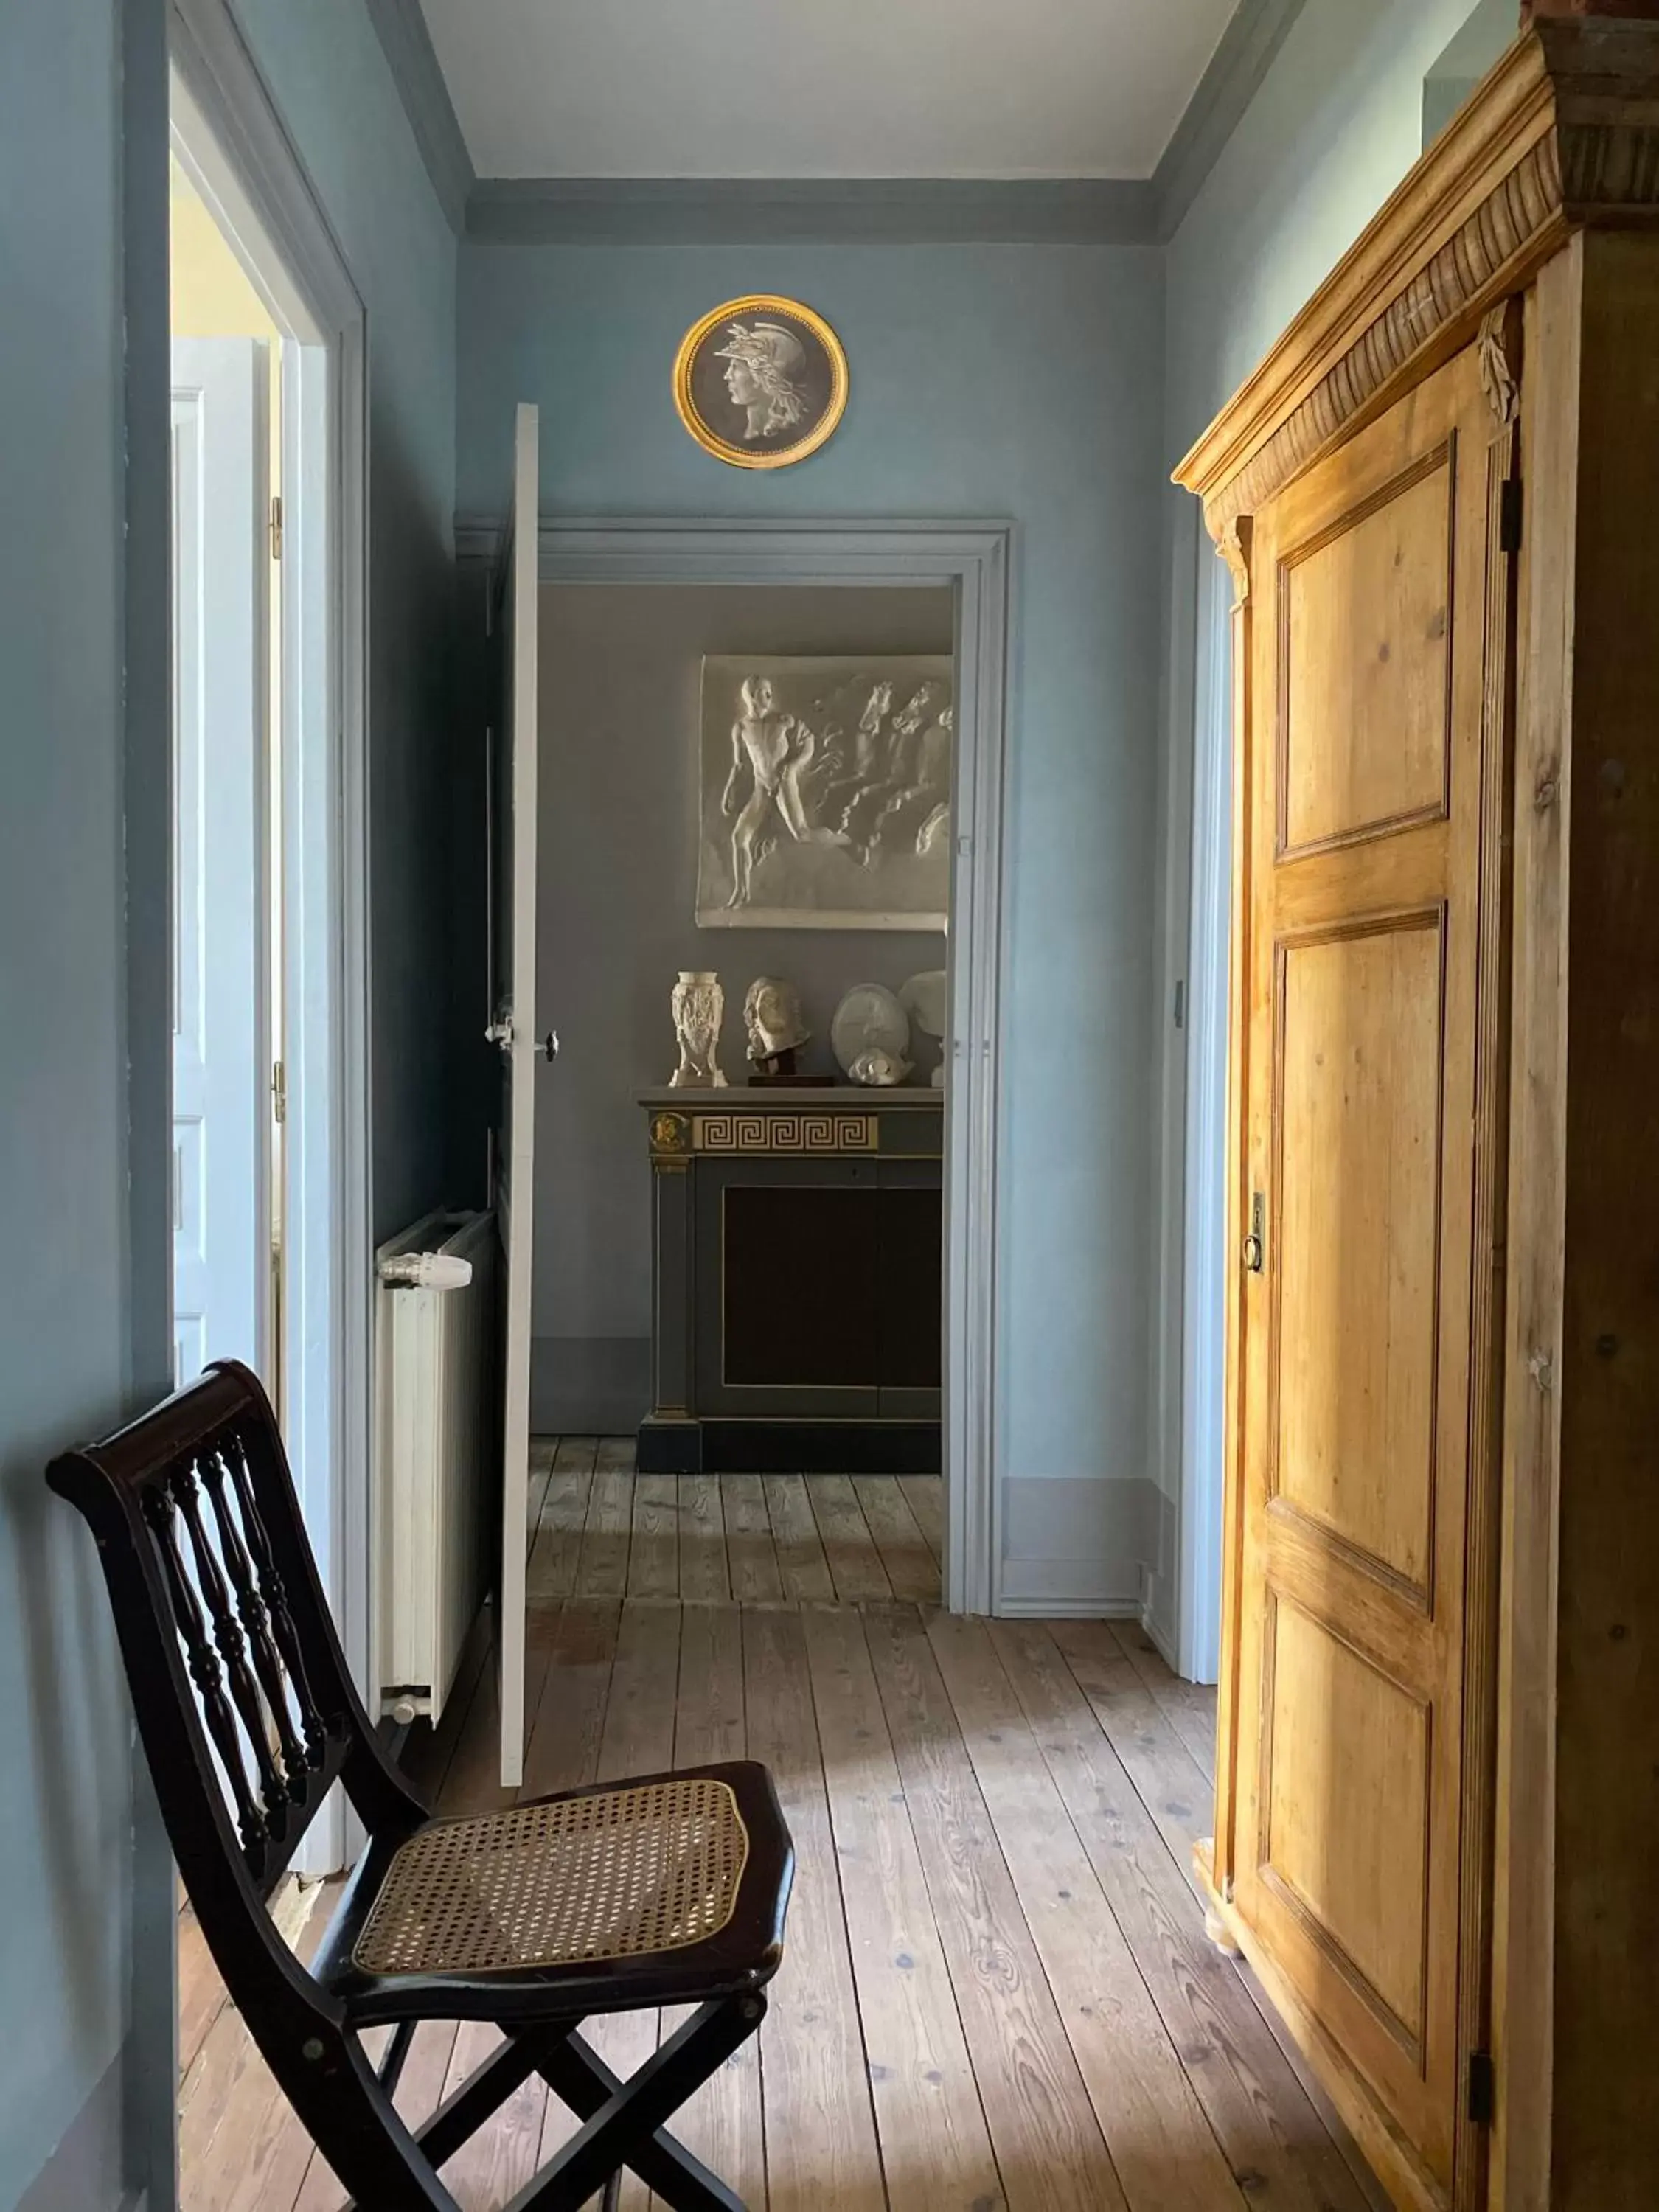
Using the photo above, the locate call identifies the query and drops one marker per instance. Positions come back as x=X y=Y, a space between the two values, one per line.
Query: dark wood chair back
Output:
x=242 y=1694
x=249 y=1718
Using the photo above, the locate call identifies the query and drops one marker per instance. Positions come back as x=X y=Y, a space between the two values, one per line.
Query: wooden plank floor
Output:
x=997 y=1991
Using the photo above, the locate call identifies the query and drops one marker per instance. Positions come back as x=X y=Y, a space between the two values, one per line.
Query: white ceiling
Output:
x=821 y=88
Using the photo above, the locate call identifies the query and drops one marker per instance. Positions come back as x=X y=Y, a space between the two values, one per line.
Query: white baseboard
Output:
x=290 y=1908
x=1067 y=1608
x=1165 y=1642
x=1072 y=1546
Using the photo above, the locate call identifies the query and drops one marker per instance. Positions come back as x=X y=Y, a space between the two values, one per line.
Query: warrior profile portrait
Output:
x=764 y=366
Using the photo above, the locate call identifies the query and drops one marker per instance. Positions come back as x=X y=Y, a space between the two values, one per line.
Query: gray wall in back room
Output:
x=621 y=669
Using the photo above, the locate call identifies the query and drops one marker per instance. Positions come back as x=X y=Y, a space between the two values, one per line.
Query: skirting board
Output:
x=1074 y=1547
x=1067 y=1608
x=1165 y=1642
x=589 y=1386
x=84 y=2174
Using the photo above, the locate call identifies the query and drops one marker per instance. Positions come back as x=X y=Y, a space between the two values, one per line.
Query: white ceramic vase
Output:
x=699 y=1006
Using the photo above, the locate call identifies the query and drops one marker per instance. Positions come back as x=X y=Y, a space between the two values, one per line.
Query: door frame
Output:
x=1202 y=1193
x=974 y=560
x=228 y=134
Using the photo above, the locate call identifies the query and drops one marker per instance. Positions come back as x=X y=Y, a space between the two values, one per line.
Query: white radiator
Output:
x=435 y=1388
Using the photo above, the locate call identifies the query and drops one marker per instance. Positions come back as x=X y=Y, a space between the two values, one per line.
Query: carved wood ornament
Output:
x=1497 y=377
x=1565 y=134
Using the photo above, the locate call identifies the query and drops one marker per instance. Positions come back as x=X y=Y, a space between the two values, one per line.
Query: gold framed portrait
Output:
x=761 y=382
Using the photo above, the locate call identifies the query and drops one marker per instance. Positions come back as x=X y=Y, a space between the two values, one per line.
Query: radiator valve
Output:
x=426 y=1271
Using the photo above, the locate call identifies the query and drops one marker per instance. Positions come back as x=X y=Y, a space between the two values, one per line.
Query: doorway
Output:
x=640 y=690
x=969 y=564
x=271 y=1242
x=227 y=891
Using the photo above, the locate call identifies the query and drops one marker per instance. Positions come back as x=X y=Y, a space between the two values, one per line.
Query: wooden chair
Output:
x=669 y=1890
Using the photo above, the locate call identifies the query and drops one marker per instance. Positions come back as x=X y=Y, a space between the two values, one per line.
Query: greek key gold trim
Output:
x=808 y=1132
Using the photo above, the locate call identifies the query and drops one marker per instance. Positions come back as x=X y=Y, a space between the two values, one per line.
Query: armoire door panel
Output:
x=1365 y=615
x=1358 y=1015
x=1400 y=874
x=1364 y=825
x=1341 y=1736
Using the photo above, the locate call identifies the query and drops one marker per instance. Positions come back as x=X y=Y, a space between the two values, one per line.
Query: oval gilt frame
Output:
x=746 y=457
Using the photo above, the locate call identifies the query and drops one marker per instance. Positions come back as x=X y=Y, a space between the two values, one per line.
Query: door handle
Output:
x=503 y=1032
x=1255 y=1244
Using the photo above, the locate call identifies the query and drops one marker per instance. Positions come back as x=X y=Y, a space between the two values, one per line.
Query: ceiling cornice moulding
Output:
x=854 y=210
x=1247 y=50
x=407 y=45
x=858 y=211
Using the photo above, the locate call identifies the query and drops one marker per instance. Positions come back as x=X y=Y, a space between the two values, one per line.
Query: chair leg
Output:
x=581 y=2079
x=624 y=2119
x=481 y=2095
x=391 y=2069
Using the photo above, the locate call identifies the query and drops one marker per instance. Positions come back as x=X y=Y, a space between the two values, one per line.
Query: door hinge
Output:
x=276 y=526
x=1483 y=2088
x=279 y=1091
x=1508 y=517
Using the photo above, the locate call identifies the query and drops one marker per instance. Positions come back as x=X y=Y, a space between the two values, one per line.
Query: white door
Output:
x=515 y=1030
x=221 y=1045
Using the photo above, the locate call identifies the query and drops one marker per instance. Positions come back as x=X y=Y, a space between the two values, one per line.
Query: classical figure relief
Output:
x=776 y=749
x=825 y=793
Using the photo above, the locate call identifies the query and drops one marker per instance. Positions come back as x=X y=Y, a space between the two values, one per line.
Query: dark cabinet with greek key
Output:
x=798 y=1291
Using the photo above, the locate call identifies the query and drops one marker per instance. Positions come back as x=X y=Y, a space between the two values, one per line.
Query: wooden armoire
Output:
x=1437 y=1791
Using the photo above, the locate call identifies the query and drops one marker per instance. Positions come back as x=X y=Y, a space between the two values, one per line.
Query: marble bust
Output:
x=772 y=1015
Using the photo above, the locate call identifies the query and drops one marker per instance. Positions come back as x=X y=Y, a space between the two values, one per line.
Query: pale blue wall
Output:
x=65 y=1304
x=83 y=930
x=1332 y=131
x=1023 y=382
x=1334 y=128
x=328 y=77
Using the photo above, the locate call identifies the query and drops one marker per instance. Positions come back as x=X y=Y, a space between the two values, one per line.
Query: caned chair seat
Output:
x=665 y=1889
x=611 y=1874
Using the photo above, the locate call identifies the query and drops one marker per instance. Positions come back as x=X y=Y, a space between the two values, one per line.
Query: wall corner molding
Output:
x=407 y=44
x=810 y=211
x=1247 y=50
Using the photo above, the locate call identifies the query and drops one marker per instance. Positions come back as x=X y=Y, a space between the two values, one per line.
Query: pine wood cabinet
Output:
x=1438 y=1785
